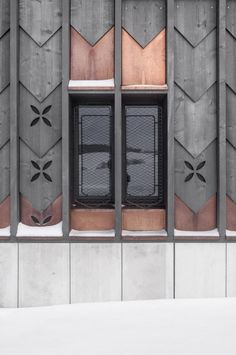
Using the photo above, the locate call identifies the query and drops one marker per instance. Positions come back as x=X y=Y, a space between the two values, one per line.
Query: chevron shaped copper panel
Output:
x=143 y=66
x=187 y=220
x=92 y=62
x=5 y=213
x=48 y=217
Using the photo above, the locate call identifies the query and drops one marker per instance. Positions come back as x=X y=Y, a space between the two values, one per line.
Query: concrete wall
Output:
x=41 y=274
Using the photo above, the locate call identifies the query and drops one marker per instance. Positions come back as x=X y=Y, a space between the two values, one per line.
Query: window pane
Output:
x=93 y=175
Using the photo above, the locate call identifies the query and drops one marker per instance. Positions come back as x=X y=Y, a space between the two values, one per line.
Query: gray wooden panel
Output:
x=195 y=179
x=35 y=182
x=4 y=116
x=231 y=171
x=195 y=19
x=4 y=61
x=195 y=122
x=230 y=61
x=40 y=68
x=195 y=68
x=92 y=18
x=4 y=16
x=143 y=19
x=231 y=17
x=231 y=116
x=4 y=172
x=40 y=19
x=40 y=123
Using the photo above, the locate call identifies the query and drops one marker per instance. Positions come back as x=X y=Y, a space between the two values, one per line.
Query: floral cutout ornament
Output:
x=41 y=115
x=43 y=222
x=41 y=170
x=195 y=171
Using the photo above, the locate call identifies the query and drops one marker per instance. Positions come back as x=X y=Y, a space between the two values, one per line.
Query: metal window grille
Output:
x=93 y=156
x=143 y=156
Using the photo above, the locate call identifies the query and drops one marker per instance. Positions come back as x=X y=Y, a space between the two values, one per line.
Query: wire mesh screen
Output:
x=93 y=154
x=143 y=175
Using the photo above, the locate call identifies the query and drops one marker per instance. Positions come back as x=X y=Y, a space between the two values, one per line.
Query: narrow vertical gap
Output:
x=65 y=117
x=221 y=99
x=18 y=275
x=173 y=269
x=226 y=269
x=69 y=244
x=118 y=122
x=122 y=271
x=14 y=140
x=170 y=119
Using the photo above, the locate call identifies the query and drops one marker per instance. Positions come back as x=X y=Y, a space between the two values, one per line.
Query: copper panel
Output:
x=187 y=220
x=5 y=213
x=231 y=214
x=92 y=62
x=143 y=219
x=146 y=66
x=50 y=216
x=92 y=219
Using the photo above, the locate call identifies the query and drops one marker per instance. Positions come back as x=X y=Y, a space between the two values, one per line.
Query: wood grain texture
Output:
x=5 y=213
x=48 y=217
x=195 y=19
x=40 y=19
x=34 y=184
x=92 y=62
x=92 y=219
x=40 y=68
x=195 y=122
x=187 y=220
x=195 y=68
x=143 y=219
x=4 y=61
x=231 y=17
x=92 y=18
x=144 y=66
x=195 y=179
x=4 y=171
x=230 y=61
x=230 y=214
x=4 y=116
x=40 y=131
x=4 y=16
x=143 y=19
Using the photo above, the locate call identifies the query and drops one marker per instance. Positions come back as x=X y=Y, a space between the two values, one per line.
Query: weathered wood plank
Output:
x=143 y=19
x=92 y=18
x=40 y=68
x=195 y=179
x=195 y=68
x=4 y=172
x=195 y=19
x=40 y=19
x=4 y=16
x=92 y=62
x=4 y=116
x=231 y=171
x=230 y=114
x=40 y=179
x=230 y=61
x=231 y=16
x=195 y=122
x=146 y=66
x=4 y=61
x=40 y=123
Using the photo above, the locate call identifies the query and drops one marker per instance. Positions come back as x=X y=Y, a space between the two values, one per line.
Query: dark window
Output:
x=93 y=157
x=143 y=156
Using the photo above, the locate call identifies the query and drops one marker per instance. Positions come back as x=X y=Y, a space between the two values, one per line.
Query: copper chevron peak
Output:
x=92 y=62
x=144 y=66
x=187 y=220
x=50 y=216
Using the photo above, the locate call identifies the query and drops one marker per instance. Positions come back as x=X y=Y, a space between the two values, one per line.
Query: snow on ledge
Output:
x=5 y=232
x=105 y=233
x=48 y=231
x=210 y=233
x=230 y=233
x=160 y=233
x=91 y=83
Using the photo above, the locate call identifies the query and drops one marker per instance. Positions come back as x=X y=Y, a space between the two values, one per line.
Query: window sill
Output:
x=159 y=233
x=182 y=235
x=50 y=231
x=93 y=234
x=230 y=234
x=5 y=232
x=91 y=84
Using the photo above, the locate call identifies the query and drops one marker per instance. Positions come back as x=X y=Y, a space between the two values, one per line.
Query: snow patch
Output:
x=5 y=232
x=105 y=233
x=47 y=231
x=91 y=83
x=160 y=233
x=210 y=233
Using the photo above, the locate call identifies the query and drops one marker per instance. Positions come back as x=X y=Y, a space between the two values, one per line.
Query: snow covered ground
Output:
x=178 y=327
